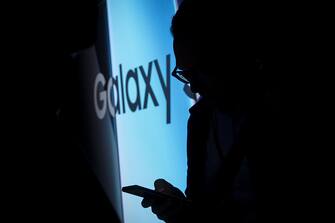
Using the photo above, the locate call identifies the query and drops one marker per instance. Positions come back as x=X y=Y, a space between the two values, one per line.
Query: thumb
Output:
x=162 y=185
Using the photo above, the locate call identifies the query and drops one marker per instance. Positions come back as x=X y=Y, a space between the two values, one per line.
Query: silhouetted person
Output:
x=227 y=53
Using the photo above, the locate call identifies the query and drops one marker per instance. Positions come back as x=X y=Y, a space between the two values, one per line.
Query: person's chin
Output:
x=196 y=89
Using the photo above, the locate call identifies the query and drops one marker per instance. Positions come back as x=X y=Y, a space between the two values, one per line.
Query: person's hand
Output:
x=169 y=210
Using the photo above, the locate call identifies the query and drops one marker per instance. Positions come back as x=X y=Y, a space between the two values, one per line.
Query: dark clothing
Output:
x=240 y=186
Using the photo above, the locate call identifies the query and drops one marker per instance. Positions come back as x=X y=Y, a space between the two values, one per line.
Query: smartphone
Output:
x=148 y=193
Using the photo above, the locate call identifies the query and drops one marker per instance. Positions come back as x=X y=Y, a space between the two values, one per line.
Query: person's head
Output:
x=218 y=48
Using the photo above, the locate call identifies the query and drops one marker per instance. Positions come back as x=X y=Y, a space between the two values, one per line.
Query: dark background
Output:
x=47 y=177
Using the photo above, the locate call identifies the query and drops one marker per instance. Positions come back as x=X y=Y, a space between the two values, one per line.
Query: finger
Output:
x=176 y=213
x=163 y=209
x=147 y=202
x=157 y=205
x=168 y=210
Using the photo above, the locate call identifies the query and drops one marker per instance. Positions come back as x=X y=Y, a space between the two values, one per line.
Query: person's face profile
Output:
x=185 y=61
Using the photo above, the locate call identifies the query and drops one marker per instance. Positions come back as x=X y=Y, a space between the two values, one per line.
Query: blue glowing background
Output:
x=149 y=148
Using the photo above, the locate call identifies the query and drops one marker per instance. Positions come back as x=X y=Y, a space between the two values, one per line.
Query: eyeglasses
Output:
x=181 y=75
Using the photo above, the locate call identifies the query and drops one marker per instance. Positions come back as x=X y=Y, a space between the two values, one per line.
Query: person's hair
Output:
x=236 y=35
x=222 y=29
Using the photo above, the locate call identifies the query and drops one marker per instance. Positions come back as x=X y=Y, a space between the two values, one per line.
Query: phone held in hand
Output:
x=149 y=193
